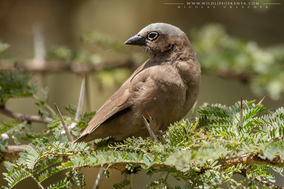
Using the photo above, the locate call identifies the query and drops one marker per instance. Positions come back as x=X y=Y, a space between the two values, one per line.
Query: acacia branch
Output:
x=266 y=183
x=250 y=159
x=22 y=117
x=12 y=152
x=246 y=159
x=243 y=77
x=59 y=66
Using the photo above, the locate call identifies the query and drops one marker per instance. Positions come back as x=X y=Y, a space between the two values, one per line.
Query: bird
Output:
x=164 y=88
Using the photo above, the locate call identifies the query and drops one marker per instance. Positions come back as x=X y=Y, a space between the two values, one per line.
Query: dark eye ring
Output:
x=153 y=35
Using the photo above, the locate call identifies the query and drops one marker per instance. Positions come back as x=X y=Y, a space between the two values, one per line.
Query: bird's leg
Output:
x=159 y=134
x=154 y=135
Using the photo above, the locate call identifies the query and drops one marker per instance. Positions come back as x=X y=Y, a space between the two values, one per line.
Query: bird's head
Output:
x=158 y=38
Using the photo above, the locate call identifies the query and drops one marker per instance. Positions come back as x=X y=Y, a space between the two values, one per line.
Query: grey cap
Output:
x=161 y=28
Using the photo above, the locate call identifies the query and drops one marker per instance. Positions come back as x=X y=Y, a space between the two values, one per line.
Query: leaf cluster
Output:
x=217 y=51
x=37 y=159
x=15 y=128
x=195 y=152
x=55 y=127
x=16 y=83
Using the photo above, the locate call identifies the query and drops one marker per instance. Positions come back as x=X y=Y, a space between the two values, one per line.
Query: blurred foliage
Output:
x=104 y=41
x=221 y=53
x=68 y=55
x=194 y=152
x=217 y=52
x=96 y=38
x=3 y=47
x=112 y=77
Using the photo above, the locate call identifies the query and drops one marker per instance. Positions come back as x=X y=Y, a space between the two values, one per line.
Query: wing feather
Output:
x=116 y=103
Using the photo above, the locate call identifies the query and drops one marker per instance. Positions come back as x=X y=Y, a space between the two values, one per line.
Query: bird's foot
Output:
x=160 y=132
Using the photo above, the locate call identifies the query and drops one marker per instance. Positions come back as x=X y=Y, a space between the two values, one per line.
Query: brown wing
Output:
x=116 y=103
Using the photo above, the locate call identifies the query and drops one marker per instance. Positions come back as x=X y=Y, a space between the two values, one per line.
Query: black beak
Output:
x=136 y=40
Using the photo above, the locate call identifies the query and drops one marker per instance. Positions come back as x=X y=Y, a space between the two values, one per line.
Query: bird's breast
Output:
x=162 y=92
x=162 y=85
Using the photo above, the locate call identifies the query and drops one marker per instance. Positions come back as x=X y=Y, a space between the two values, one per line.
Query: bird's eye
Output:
x=153 y=35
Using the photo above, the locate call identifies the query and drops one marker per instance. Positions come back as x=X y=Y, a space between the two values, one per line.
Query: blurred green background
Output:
x=240 y=50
